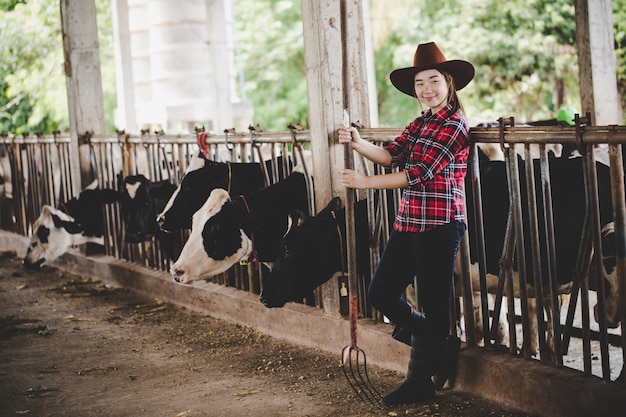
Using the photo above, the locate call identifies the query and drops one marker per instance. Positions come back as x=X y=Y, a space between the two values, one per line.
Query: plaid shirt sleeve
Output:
x=432 y=151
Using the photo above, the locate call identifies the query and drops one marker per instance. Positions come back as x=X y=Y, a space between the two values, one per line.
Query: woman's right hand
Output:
x=348 y=134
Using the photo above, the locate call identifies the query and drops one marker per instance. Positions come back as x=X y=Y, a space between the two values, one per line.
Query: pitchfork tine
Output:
x=359 y=379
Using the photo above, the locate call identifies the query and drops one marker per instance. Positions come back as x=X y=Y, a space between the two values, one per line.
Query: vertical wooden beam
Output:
x=323 y=60
x=596 y=62
x=83 y=79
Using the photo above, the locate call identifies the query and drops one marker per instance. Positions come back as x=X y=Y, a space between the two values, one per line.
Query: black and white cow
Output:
x=312 y=250
x=77 y=221
x=226 y=231
x=140 y=202
x=201 y=177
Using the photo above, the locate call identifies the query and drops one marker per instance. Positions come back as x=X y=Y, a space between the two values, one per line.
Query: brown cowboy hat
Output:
x=429 y=56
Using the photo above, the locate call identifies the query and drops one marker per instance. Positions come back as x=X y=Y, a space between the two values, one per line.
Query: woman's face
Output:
x=431 y=89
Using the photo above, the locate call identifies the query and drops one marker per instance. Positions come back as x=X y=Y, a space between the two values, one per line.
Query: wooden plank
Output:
x=596 y=62
x=323 y=59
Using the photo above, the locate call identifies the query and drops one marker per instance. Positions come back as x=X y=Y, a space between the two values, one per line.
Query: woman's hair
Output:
x=452 y=95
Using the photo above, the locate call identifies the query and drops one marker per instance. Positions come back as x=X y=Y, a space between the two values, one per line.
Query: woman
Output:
x=432 y=156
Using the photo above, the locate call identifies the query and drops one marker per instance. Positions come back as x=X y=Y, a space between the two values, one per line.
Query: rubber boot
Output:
x=449 y=359
x=403 y=332
x=424 y=361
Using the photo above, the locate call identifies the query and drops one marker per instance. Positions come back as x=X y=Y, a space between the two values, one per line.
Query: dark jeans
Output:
x=429 y=256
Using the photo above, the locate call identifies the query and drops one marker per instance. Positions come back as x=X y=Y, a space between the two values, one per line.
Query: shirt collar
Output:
x=442 y=114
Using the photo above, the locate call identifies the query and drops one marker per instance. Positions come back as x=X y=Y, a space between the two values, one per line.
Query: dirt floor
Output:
x=71 y=346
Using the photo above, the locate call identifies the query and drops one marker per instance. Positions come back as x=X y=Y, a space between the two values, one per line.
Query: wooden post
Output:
x=596 y=62
x=599 y=96
x=83 y=80
x=323 y=59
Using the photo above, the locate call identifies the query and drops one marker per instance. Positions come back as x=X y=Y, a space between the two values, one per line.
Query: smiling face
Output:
x=432 y=89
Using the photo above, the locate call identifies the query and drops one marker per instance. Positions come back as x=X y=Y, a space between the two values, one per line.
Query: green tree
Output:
x=270 y=37
x=619 y=23
x=523 y=51
x=31 y=77
x=33 y=96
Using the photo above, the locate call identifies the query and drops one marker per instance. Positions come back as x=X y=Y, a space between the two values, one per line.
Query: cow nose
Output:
x=263 y=300
x=33 y=265
x=164 y=225
x=178 y=275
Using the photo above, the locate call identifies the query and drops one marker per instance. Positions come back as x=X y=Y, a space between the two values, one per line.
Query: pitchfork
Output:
x=353 y=360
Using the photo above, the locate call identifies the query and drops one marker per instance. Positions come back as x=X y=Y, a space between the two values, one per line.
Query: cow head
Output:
x=309 y=255
x=140 y=202
x=56 y=230
x=52 y=237
x=216 y=241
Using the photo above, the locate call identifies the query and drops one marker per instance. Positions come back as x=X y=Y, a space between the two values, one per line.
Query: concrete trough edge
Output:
x=513 y=382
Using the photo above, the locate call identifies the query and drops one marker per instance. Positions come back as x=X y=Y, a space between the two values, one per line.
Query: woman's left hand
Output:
x=353 y=179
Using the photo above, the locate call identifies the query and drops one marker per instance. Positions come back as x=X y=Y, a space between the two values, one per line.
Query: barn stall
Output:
x=595 y=339
x=40 y=168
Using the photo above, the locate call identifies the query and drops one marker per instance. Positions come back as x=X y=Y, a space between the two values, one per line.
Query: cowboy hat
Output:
x=429 y=56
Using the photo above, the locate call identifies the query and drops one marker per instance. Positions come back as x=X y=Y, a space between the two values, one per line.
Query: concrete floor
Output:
x=514 y=382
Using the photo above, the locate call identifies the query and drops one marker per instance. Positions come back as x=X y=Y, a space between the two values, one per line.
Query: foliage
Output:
x=31 y=57
x=8 y=5
x=269 y=34
x=619 y=23
x=523 y=51
x=33 y=96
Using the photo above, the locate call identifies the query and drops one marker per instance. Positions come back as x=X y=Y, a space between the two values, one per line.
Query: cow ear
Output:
x=93 y=185
x=70 y=227
x=333 y=205
x=296 y=217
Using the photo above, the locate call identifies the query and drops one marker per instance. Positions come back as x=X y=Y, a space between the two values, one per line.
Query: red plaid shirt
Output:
x=432 y=151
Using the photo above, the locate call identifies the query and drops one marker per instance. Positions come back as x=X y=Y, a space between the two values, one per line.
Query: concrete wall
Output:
x=517 y=383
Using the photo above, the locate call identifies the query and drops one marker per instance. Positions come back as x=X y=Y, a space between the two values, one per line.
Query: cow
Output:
x=140 y=202
x=312 y=250
x=226 y=230
x=77 y=221
x=611 y=304
x=569 y=208
x=201 y=177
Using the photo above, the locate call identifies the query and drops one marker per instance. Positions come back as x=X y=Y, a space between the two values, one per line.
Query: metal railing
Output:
x=40 y=170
